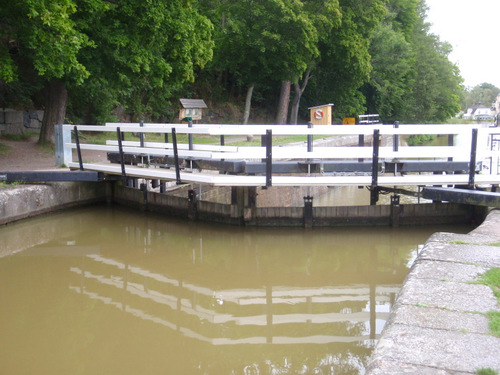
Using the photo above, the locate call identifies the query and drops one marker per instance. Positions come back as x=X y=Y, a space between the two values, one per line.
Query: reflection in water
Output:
x=110 y=291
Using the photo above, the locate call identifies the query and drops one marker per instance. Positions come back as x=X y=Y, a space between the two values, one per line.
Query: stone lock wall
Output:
x=19 y=122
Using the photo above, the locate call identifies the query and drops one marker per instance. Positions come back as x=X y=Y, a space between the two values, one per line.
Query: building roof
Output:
x=324 y=105
x=193 y=103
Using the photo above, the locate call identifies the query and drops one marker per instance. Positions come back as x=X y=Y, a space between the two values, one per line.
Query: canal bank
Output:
x=24 y=201
x=439 y=323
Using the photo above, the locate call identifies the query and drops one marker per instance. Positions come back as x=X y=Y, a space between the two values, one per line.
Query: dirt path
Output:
x=28 y=156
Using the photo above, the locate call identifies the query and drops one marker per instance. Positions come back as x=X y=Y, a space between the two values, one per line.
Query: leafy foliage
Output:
x=137 y=56
x=484 y=93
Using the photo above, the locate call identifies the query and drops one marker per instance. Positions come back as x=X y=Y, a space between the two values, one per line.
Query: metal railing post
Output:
x=176 y=158
x=374 y=187
x=141 y=135
x=78 y=150
x=395 y=139
x=269 y=157
x=450 y=143
x=120 y=150
x=309 y=138
x=190 y=135
x=472 y=165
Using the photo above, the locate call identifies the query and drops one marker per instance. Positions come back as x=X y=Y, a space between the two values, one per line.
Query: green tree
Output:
x=485 y=93
x=345 y=63
x=262 y=41
x=119 y=51
x=412 y=78
x=325 y=15
x=392 y=61
x=435 y=93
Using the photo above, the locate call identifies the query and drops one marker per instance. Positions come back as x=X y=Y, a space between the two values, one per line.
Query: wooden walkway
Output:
x=476 y=145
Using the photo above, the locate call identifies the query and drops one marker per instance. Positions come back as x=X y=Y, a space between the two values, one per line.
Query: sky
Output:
x=472 y=28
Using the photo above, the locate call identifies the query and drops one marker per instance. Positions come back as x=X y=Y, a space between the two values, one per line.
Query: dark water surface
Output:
x=110 y=291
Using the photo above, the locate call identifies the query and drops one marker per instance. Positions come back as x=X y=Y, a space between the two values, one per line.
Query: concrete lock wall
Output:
x=18 y=122
x=30 y=200
x=244 y=208
x=243 y=211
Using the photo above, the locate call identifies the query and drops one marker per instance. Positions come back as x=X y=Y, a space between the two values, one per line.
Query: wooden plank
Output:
x=463 y=196
x=180 y=146
x=145 y=151
x=219 y=129
x=149 y=129
x=236 y=180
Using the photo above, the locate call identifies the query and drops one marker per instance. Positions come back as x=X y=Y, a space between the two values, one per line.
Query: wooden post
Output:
x=192 y=205
x=308 y=212
x=395 y=211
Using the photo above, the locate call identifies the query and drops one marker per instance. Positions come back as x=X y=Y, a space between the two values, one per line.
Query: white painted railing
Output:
x=459 y=151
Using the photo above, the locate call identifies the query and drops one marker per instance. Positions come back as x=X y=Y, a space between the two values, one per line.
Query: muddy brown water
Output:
x=111 y=291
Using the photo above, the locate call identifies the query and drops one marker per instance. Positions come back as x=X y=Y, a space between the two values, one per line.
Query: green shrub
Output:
x=419 y=139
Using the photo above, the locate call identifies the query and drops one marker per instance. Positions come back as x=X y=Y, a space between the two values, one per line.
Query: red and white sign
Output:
x=318 y=114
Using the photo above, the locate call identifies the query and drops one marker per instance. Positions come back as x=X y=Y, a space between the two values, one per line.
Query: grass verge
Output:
x=492 y=279
x=4 y=149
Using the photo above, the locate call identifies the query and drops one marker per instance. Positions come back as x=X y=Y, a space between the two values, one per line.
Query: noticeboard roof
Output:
x=193 y=103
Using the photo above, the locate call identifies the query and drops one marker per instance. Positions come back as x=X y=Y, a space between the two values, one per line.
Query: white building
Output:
x=479 y=112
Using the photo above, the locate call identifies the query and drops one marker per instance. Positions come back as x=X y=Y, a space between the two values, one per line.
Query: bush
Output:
x=419 y=139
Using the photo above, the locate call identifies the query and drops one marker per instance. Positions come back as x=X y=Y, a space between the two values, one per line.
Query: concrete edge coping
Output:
x=438 y=324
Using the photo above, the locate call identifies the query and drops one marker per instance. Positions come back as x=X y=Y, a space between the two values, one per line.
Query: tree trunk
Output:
x=283 y=103
x=55 y=109
x=298 y=91
x=248 y=105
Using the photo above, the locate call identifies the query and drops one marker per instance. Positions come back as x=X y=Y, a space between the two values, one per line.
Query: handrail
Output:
x=469 y=137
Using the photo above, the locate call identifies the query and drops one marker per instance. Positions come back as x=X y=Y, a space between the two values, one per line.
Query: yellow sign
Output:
x=349 y=121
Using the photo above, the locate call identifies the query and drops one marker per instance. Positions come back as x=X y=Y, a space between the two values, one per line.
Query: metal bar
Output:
x=269 y=157
x=190 y=135
x=176 y=158
x=166 y=137
x=361 y=143
x=78 y=151
x=374 y=189
x=309 y=138
x=141 y=135
x=450 y=143
x=376 y=145
x=120 y=149
x=395 y=142
x=472 y=165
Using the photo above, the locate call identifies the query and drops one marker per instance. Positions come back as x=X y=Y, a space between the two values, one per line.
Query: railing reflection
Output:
x=319 y=315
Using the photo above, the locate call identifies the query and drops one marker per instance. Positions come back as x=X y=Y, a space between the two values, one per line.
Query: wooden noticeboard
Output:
x=321 y=114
